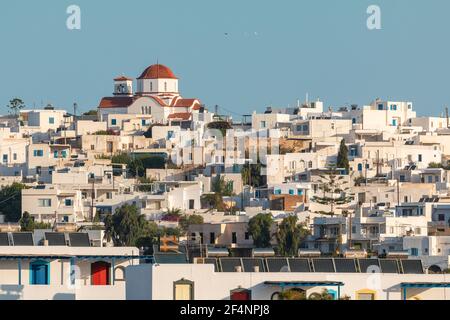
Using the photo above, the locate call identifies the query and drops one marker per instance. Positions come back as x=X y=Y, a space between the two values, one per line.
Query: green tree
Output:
x=11 y=202
x=42 y=225
x=225 y=188
x=289 y=236
x=434 y=165
x=126 y=226
x=26 y=222
x=220 y=188
x=260 y=228
x=91 y=113
x=136 y=168
x=187 y=220
x=251 y=175
x=150 y=237
x=333 y=191
x=342 y=157
x=15 y=105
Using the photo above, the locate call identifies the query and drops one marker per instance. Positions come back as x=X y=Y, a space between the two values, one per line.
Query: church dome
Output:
x=157 y=71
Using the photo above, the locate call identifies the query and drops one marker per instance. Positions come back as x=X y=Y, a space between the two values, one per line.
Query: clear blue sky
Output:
x=274 y=53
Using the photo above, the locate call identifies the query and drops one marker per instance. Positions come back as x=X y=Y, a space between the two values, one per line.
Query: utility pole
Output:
x=365 y=171
x=92 y=198
x=350 y=230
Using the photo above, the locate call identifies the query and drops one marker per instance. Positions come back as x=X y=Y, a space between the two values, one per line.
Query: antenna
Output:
x=446 y=115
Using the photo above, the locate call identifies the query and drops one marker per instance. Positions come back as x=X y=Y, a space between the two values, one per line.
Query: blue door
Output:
x=39 y=273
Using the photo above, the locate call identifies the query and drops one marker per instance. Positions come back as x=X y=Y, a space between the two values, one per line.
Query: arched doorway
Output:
x=434 y=269
x=100 y=273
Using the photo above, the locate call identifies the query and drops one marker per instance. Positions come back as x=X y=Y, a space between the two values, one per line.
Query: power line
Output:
x=9 y=198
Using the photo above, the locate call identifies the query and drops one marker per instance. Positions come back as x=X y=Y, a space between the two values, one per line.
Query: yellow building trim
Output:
x=367 y=292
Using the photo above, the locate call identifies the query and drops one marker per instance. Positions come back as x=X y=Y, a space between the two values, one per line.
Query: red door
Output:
x=240 y=295
x=100 y=273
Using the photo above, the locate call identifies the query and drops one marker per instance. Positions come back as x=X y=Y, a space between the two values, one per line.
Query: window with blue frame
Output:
x=393 y=107
x=170 y=134
x=68 y=202
x=51 y=120
x=5 y=158
x=64 y=153
x=144 y=122
x=299 y=192
x=414 y=252
x=380 y=107
x=291 y=192
x=55 y=154
x=360 y=166
x=420 y=158
x=353 y=121
x=113 y=122
x=394 y=122
x=277 y=191
x=38 y=153
x=40 y=273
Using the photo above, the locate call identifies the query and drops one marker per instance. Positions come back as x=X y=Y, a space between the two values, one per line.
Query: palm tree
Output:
x=220 y=188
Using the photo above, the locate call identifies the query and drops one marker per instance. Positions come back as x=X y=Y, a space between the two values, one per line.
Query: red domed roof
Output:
x=157 y=71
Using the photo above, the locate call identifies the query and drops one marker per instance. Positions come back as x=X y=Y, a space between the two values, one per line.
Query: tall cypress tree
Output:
x=342 y=158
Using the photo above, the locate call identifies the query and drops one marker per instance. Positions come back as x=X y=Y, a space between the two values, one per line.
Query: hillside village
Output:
x=153 y=185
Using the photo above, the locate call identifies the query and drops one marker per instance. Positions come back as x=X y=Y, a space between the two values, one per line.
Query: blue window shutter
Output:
x=55 y=154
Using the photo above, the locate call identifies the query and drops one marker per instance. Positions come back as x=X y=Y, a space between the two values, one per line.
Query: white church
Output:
x=157 y=97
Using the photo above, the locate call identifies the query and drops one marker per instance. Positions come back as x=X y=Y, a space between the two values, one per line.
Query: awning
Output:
x=304 y=283
x=428 y=285
x=421 y=285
